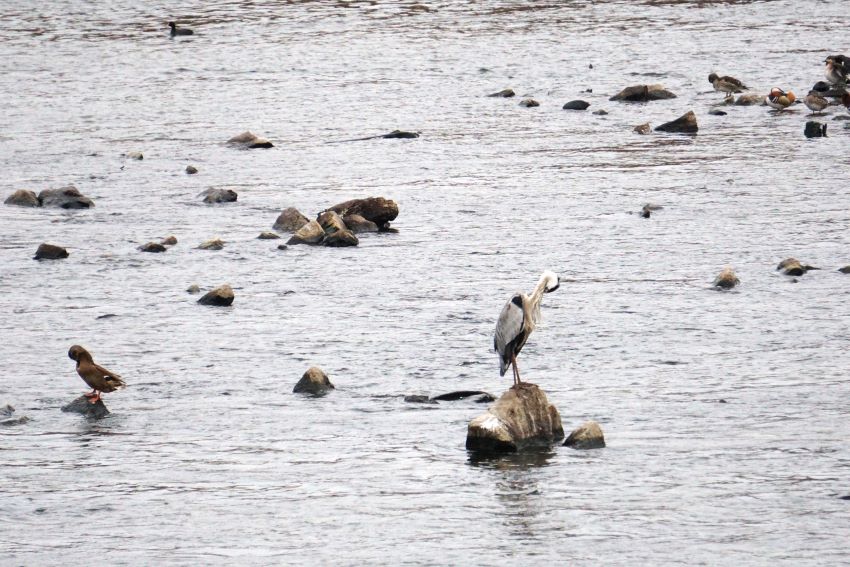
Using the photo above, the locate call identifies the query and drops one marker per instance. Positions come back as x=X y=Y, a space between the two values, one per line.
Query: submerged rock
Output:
x=376 y=209
x=588 y=435
x=7 y=410
x=521 y=418
x=11 y=422
x=249 y=140
x=154 y=247
x=290 y=220
x=169 y=240
x=576 y=105
x=268 y=236
x=726 y=279
x=222 y=296
x=219 y=196
x=529 y=103
x=643 y=129
x=504 y=93
x=419 y=399
x=314 y=381
x=685 y=124
x=357 y=224
x=23 y=198
x=194 y=288
x=793 y=267
x=400 y=134
x=310 y=233
x=64 y=198
x=340 y=238
x=643 y=93
x=814 y=129
x=84 y=407
x=461 y=394
x=213 y=244
x=50 y=252
x=134 y=155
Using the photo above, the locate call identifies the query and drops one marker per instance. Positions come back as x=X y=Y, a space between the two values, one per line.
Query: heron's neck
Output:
x=535 y=298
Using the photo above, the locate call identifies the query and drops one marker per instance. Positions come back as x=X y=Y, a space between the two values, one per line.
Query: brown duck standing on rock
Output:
x=97 y=377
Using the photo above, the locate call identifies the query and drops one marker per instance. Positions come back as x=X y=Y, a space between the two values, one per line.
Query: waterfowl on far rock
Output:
x=179 y=31
x=726 y=84
x=97 y=377
x=779 y=99
x=815 y=102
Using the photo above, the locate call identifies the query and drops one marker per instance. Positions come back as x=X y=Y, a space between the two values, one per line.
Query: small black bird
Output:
x=179 y=31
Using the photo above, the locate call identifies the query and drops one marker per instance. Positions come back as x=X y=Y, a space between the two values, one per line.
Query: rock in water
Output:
x=643 y=93
x=685 y=124
x=23 y=198
x=154 y=247
x=50 y=252
x=194 y=288
x=222 y=296
x=529 y=103
x=265 y=235
x=844 y=270
x=7 y=410
x=83 y=407
x=340 y=239
x=290 y=220
x=331 y=222
x=191 y=170
x=749 y=99
x=400 y=134
x=310 y=233
x=314 y=381
x=134 y=155
x=576 y=105
x=65 y=198
x=376 y=209
x=249 y=140
x=642 y=128
x=793 y=267
x=521 y=418
x=726 y=279
x=358 y=224
x=588 y=435
x=504 y=93
x=219 y=196
x=169 y=240
x=213 y=244
x=814 y=129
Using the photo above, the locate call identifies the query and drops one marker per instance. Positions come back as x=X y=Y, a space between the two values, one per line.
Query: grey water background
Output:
x=208 y=458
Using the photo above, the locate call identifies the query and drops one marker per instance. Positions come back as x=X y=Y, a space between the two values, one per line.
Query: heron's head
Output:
x=550 y=281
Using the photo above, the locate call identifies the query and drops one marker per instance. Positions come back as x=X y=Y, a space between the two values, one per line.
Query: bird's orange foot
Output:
x=94 y=399
x=91 y=394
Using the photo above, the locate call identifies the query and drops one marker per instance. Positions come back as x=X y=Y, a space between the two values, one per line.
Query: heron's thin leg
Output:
x=516 y=369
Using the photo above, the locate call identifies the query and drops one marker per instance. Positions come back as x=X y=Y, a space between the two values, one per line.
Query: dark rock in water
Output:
x=506 y=93
x=485 y=399
x=844 y=270
x=194 y=288
x=191 y=170
x=815 y=129
x=23 y=198
x=169 y=240
x=219 y=195
x=844 y=497
x=222 y=296
x=419 y=399
x=726 y=279
x=793 y=267
x=268 y=236
x=340 y=238
x=65 y=198
x=314 y=381
x=213 y=244
x=290 y=220
x=357 y=224
x=249 y=141
x=401 y=134
x=529 y=103
x=576 y=105
x=84 y=407
x=310 y=233
x=376 y=209
x=7 y=410
x=282 y=246
x=685 y=124
x=643 y=93
x=750 y=99
x=643 y=129
x=50 y=252
x=331 y=222
x=521 y=418
x=13 y=421
x=461 y=394
x=586 y=436
x=716 y=112
x=600 y=112
x=154 y=247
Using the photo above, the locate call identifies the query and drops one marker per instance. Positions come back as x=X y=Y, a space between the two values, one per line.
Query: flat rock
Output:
x=84 y=407
x=64 y=198
x=576 y=105
x=529 y=103
x=357 y=224
x=400 y=134
x=134 y=155
x=717 y=112
x=268 y=236
x=685 y=124
x=50 y=252
x=154 y=247
x=290 y=220
x=726 y=279
x=248 y=140
x=462 y=394
x=310 y=233
x=219 y=196
x=340 y=238
x=750 y=99
x=643 y=93
x=504 y=93
x=331 y=222
x=600 y=112
x=222 y=296
x=521 y=418
x=23 y=198
x=376 y=209
x=213 y=244
x=314 y=381
x=419 y=399
x=588 y=435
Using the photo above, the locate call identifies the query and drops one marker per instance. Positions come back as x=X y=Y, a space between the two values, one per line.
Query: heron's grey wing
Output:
x=509 y=325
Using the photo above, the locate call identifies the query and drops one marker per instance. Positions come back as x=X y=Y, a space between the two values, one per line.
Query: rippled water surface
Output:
x=208 y=458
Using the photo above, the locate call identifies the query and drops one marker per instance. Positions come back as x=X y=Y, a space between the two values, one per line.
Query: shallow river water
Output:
x=208 y=458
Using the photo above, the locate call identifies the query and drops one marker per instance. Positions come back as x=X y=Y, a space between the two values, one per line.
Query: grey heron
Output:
x=518 y=318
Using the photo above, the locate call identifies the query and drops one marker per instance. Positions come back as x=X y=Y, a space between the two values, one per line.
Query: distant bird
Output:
x=179 y=31
x=516 y=322
x=779 y=99
x=726 y=84
x=815 y=102
x=837 y=68
x=97 y=377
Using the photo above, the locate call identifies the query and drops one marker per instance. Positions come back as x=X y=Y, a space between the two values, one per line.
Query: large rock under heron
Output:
x=84 y=407
x=521 y=418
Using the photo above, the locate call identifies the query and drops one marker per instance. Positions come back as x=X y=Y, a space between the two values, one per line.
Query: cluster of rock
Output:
x=338 y=225
x=64 y=198
x=157 y=247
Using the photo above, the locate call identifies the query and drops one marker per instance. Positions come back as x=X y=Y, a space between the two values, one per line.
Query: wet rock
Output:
x=222 y=296
x=249 y=140
x=643 y=129
x=419 y=399
x=331 y=222
x=11 y=422
x=815 y=129
x=134 y=155
x=357 y=224
x=376 y=209
x=282 y=246
x=314 y=381
x=529 y=103
x=310 y=233
x=169 y=240
x=64 y=198
x=191 y=170
x=643 y=93
x=462 y=394
x=749 y=99
x=50 y=252
x=844 y=270
x=793 y=267
x=521 y=418
x=213 y=244
x=588 y=435
x=84 y=407
x=600 y=112
x=23 y=198
x=290 y=220
x=194 y=288
x=219 y=195
x=576 y=105
x=716 y=112
x=341 y=238
x=685 y=124
x=505 y=93
x=154 y=247
x=400 y=134
x=726 y=279
x=268 y=236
